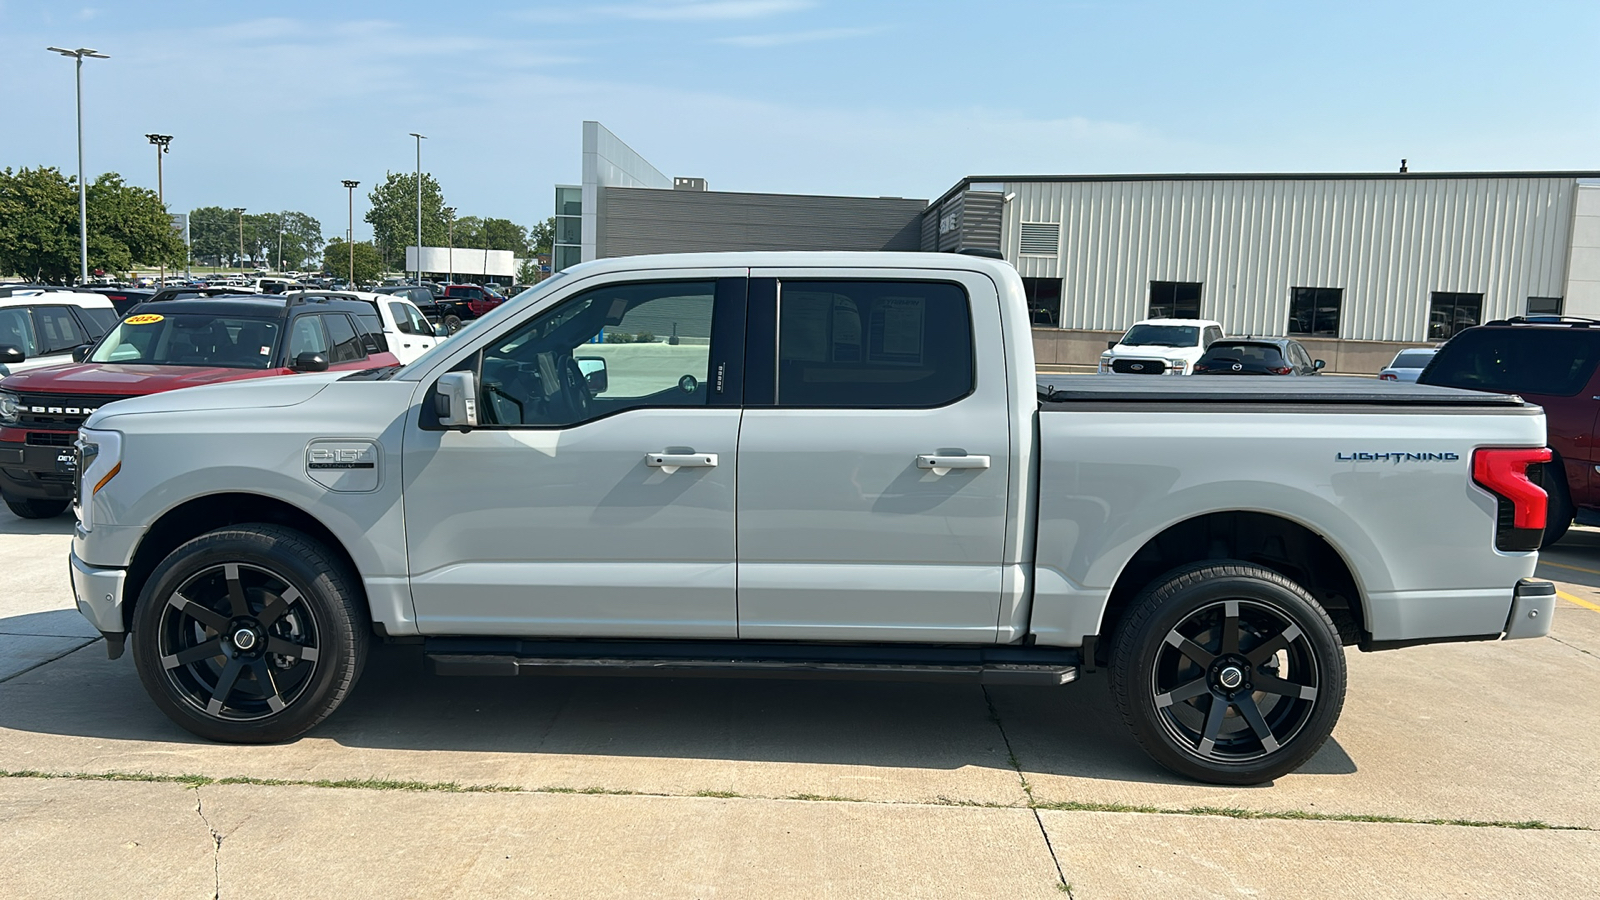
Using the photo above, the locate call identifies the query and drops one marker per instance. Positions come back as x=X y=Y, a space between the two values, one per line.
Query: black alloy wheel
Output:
x=1229 y=673
x=451 y=323
x=249 y=635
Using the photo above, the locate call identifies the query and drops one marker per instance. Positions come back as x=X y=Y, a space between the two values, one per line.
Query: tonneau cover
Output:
x=1065 y=390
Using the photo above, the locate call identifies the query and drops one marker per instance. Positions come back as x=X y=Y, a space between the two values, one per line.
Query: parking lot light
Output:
x=83 y=197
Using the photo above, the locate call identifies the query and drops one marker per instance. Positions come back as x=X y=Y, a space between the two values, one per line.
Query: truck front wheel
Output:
x=250 y=634
x=1228 y=673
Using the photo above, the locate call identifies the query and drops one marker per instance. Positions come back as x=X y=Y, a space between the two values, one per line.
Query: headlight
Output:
x=99 y=461
x=1178 y=364
x=10 y=408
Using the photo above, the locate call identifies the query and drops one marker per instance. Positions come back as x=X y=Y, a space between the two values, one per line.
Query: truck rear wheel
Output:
x=250 y=634
x=1228 y=673
x=451 y=323
x=1558 y=509
x=34 y=508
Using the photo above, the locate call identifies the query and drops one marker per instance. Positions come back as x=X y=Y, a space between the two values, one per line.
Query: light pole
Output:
x=350 y=230
x=239 y=211
x=450 y=221
x=83 y=197
x=163 y=144
x=420 y=138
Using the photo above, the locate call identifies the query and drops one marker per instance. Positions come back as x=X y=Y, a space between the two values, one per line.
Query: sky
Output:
x=272 y=105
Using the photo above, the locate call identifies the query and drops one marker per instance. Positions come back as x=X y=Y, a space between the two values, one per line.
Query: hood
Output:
x=257 y=393
x=115 y=378
x=1154 y=351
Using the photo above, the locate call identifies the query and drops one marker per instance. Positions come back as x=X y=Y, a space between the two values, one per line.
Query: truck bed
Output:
x=1057 y=392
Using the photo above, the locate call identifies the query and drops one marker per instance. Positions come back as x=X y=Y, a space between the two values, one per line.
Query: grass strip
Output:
x=1233 y=812
x=456 y=787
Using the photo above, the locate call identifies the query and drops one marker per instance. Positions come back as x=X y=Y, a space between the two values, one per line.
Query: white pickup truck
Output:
x=805 y=465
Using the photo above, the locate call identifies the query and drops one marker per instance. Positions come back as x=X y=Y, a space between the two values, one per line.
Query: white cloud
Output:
x=87 y=13
x=702 y=10
x=795 y=37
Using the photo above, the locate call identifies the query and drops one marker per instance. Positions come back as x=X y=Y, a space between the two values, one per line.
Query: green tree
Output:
x=129 y=226
x=393 y=215
x=542 y=237
x=504 y=234
x=38 y=224
x=336 y=260
x=214 y=234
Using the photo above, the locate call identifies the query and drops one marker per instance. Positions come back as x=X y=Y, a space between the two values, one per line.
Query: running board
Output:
x=694 y=659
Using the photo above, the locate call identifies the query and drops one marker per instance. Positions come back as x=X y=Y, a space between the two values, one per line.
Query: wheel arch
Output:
x=1268 y=539
x=198 y=515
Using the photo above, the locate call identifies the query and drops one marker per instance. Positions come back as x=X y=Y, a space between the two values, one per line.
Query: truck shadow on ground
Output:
x=399 y=706
x=13 y=524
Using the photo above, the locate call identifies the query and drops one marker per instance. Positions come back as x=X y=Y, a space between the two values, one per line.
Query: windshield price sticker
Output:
x=146 y=319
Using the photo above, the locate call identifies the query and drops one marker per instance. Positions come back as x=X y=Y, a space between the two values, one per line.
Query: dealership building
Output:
x=1354 y=265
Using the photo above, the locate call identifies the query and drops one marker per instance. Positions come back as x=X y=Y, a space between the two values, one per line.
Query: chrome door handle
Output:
x=943 y=464
x=672 y=462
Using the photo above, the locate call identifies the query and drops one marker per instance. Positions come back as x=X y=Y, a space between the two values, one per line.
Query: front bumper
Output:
x=35 y=472
x=99 y=595
x=1533 y=606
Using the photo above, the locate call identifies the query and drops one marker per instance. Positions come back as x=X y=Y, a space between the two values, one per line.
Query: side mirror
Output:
x=1111 y=345
x=455 y=400
x=310 y=361
x=81 y=352
x=440 y=331
x=594 y=372
x=10 y=355
x=1318 y=364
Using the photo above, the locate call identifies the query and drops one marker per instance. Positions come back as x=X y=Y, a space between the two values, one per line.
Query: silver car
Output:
x=1408 y=364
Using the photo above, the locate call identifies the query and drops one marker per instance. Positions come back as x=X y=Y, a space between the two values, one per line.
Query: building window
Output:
x=1544 y=306
x=1174 y=299
x=1044 y=300
x=1315 y=311
x=1040 y=239
x=1450 y=313
x=567 y=249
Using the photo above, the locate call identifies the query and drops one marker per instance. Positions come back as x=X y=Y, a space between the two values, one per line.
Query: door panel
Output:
x=597 y=496
x=842 y=536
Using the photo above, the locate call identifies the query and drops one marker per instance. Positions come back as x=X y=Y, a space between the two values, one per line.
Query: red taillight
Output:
x=1282 y=370
x=1388 y=376
x=1503 y=471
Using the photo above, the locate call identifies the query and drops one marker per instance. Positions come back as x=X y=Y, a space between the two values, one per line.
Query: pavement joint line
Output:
x=1027 y=789
x=46 y=662
x=452 y=787
x=1573 y=646
x=1572 y=599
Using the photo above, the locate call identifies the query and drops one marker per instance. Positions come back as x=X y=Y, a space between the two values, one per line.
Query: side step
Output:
x=728 y=659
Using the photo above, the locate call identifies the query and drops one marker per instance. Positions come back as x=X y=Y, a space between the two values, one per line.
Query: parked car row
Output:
x=65 y=354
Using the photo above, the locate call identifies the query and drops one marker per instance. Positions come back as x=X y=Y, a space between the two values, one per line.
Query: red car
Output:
x=1550 y=361
x=184 y=344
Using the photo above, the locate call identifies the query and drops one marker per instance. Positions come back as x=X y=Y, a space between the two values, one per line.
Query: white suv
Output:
x=1160 y=347
x=41 y=326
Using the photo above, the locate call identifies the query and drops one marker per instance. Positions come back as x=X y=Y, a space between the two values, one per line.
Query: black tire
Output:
x=1559 y=511
x=1239 y=713
x=250 y=634
x=37 y=508
x=452 y=324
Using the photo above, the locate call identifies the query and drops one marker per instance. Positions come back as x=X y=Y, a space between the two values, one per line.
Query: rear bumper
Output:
x=32 y=472
x=1533 y=606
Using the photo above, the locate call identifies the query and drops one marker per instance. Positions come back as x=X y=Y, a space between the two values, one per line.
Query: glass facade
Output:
x=568 y=245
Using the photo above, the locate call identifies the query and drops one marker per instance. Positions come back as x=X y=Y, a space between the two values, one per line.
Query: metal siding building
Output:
x=642 y=220
x=1386 y=242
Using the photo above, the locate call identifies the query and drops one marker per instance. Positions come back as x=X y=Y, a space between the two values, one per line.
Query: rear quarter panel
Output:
x=1418 y=536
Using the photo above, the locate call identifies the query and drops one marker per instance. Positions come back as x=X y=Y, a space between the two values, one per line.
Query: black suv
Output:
x=1257 y=356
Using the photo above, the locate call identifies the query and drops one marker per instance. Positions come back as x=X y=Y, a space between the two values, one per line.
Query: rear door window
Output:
x=873 y=344
x=346 y=344
x=1555 y=362
x=58 y=330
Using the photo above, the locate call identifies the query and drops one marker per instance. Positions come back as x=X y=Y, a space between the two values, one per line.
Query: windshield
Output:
x=1412 y=359
x=1267 y=354
x=190 y=339
x=1162 y=336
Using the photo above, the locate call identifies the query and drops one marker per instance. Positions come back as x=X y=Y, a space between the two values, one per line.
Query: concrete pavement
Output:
x=739 y=787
